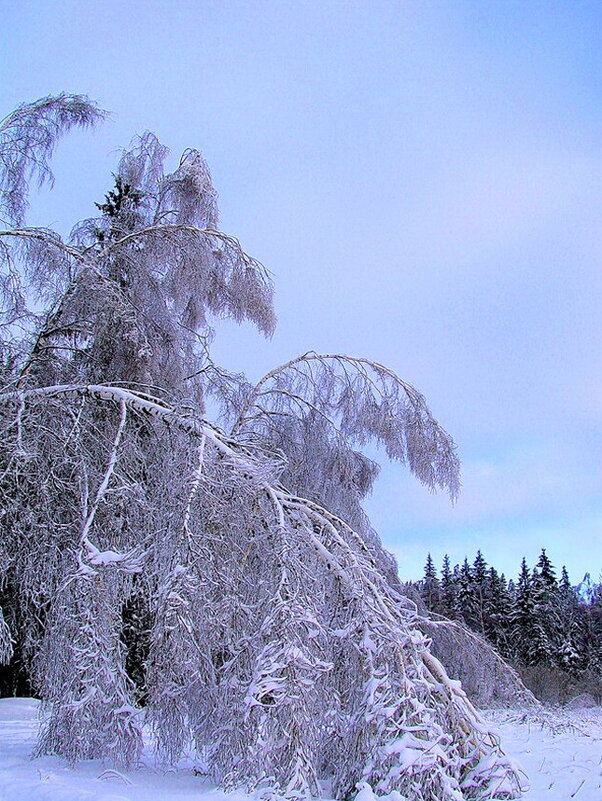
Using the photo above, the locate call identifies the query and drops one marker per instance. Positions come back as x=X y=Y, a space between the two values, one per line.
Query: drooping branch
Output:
x=48 y=238
x=37 y=258
x=28 y=137
x=236 y=282
x=359 y=400
x=362 y=651
x=161 y=230
x=6 y=641
x=226 y=445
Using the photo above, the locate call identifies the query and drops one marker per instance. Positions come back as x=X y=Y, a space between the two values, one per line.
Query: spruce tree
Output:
x=498 y=607
x=430 y=588
x=570 y=655
x=480 y=585
x=546 y=622
x=466 y=600
x=448 y=590
x=592 y=632
x=522 y=622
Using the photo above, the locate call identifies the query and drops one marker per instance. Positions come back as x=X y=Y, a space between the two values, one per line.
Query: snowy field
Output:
x=560 y=753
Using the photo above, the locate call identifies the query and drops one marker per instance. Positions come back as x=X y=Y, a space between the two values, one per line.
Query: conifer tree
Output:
x=546 y=624
x=498 y=607
x=570 y=655
x=430 y=587
x=592 y=632
x=466 y=599
x=546 y=581
x=448 y=590
x=523 y=618
x=481 y=590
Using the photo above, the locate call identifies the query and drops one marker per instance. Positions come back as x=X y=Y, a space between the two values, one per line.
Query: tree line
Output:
x=538 y=622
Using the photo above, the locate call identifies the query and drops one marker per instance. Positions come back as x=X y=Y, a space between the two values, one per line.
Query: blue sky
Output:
x=423 y=179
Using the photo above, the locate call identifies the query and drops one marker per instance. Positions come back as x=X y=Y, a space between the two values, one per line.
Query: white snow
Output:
x=51 y=779
x=560 y=753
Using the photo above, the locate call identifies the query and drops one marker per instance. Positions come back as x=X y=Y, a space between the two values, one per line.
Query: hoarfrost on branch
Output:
x=221 y=582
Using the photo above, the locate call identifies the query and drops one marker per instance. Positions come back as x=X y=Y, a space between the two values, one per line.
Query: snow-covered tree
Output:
x=466 y=596
x=546 y=612
x=591 y=619
x=272 y=630
x=497 y=612
x=481 y=591
x=548 y=630
x=448 y=590
x=523 y=617
x=570 y=654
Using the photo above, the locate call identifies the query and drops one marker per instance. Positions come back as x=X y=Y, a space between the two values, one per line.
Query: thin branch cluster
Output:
x=221 y=585
x=27 y=140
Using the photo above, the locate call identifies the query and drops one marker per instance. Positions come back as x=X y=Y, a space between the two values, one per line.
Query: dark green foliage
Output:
x=466 y=598
x=14 y=676
x=538 y=623
x=526 y=640
x=430 y=588
x=136 y=636
x=497 y=610
x=448 y=590
x=116 y=200
x=480 y=588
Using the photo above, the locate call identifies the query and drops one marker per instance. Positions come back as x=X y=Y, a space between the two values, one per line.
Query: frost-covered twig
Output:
x=92 y=553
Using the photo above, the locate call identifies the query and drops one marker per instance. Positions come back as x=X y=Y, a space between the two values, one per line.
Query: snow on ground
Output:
x=50 y=779
x=560 y=752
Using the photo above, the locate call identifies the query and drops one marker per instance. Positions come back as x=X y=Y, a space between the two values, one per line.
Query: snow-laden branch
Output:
x=351 y=401
x=165 y=229
x=48 y=238
x=93 y=555
x=236 y=454
x=28 y=137
x=208 y=654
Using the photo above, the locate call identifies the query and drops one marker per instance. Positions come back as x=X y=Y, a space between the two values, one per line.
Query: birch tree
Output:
x=278 y=641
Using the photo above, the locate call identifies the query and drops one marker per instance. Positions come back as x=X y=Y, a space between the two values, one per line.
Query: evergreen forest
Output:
x=548 y=629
